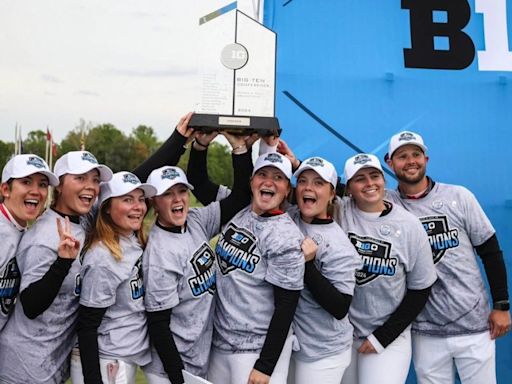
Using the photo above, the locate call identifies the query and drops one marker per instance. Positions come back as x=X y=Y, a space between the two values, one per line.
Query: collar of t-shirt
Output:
x=275 y=212
x=10 y=218
x=316 y=220
x=73 y=218
x=421 y=194
x=173 y=228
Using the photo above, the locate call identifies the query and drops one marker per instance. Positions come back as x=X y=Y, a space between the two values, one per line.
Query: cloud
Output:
x=85 y=92
x=51 y=79
x=176 y=72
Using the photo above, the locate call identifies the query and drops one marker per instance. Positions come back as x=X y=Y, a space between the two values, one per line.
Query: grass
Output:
x=139 y=379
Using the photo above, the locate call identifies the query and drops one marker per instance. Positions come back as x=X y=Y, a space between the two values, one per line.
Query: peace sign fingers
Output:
x=68 y=245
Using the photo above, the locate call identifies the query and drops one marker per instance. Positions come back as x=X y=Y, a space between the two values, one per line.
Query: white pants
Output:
x=328 y=370
x=153 y=378
x=235 y=368
x=436 y=358
x=391 y=366
x=112 y=371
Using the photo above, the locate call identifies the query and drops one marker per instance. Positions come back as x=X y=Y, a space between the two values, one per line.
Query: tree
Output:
x=35 y=143
x=220 y=166
x=6 y=151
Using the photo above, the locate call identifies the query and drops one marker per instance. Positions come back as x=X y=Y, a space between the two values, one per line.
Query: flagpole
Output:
x=46 y=157
x=16 y=139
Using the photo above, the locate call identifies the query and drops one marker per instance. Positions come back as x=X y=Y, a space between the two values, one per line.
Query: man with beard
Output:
x=456 y=329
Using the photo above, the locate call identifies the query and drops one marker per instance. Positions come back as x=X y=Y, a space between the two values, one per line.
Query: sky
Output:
x=124 y=62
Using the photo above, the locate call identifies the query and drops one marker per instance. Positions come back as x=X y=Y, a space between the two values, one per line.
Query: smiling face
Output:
x=127 y=212
x=77 y=193
x=409 y=163
x=367 y=189
x=313 y=195
x=172 y=206
x=25 y=197
x=269 y=188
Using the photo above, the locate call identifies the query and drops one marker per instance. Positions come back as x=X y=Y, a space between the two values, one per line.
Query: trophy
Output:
x=237 y=75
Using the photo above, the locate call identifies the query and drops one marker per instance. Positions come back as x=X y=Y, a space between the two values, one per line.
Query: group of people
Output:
x=321 y=281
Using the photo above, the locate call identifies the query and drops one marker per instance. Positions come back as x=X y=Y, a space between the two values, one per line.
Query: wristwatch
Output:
x=502 y=305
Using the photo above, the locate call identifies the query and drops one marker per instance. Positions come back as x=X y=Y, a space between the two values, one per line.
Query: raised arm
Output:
x=170 y=151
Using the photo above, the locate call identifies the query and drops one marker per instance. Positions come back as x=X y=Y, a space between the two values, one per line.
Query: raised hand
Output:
x=183 y=127
x=238 y=143
x=203 y=139
x=68 y=245
x=251 y=139
x=283 y=149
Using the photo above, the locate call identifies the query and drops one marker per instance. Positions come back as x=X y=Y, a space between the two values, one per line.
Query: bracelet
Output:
x=201 y=145
x=237 y=150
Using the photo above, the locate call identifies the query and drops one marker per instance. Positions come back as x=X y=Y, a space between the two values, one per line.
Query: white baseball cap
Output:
x=25 y=165
x=122 y=183
x=359 y=161
x=405 y=138
x=165 y=177
x=79 y=162
x=276 y=160
x=321 y=166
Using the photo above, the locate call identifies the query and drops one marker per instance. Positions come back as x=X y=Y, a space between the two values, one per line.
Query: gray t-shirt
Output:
x=253 y=254
x=318 y=332
x=38 y=350
x=455 y=224
x=179 y=273
x=118 y=286
x=9 y=273
x=396 y=257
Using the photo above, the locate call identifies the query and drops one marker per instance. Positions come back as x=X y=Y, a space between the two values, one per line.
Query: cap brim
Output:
x=164 y=188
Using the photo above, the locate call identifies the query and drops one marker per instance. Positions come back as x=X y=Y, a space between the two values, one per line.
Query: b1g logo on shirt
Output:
x=235 y=250
x=9 y=286
x=440 y=236
x=136 y=284
x=376 y=258
x=204 y=281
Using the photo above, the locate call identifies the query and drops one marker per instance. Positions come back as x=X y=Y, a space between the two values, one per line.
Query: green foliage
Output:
x=119 y=151
x=220 y=167
x=35 y=143
x=6 y=151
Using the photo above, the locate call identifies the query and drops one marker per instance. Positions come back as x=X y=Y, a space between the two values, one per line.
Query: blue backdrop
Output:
x=343 y=86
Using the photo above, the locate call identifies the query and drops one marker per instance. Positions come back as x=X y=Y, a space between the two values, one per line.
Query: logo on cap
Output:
x=170 y=174
x=362 y=159
x=315 y=162
x=86 y=156
x=406 y=136
x=36 y=162
x=129 y=178
x=273 y=158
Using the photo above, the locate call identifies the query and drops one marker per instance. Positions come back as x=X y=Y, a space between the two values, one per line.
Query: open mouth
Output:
x=267 y=193
x=178 y=210
x=309 y=200
x=31 y=203
x=86 y=199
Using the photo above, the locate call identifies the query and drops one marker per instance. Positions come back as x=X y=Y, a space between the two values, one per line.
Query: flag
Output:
x=82 y=141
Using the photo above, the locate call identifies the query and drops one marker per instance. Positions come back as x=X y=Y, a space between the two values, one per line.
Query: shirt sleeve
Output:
x=284 y=256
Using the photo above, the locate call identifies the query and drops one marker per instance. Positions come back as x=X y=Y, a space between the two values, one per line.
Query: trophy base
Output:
x=236 y=125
